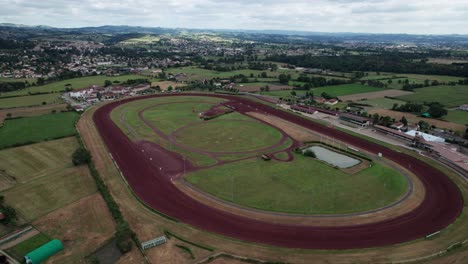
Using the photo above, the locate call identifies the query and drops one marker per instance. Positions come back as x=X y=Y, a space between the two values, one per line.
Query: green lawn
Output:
x=76 y=83
x=457 y=116
x=345 y=89
x=35 y=100
x=229 y=135
x=37 y=128
x=450 y=96
x=23 y=248
x=303 y=186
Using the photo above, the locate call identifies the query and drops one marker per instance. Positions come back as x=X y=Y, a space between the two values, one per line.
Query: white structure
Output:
x=427 y=137
x=463 y=107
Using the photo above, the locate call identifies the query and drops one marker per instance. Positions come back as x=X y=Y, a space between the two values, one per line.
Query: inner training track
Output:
x=151 y=180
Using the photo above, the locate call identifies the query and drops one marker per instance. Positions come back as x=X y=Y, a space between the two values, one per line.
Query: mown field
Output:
x=304 y=186
x=76 y=83
x=457 y=116
x=450 y=96
x=229 y=135
x=23 y=248
x=38 y=128
x=33 y=100
x=45 y=178
x=345 y=89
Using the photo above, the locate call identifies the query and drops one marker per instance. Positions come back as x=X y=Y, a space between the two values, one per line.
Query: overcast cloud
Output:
x=375 y=16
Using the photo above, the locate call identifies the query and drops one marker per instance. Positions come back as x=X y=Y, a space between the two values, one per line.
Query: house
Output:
x=331 y=102
x=319 y=100
x=463 y=107
x=397 y=125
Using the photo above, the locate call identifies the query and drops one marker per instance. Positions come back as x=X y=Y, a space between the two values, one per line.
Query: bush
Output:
x=81 y=156
x=309 y=153
x=123 y=237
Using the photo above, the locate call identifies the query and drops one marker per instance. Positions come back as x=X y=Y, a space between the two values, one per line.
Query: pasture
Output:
x=450 y=96
x=374 y=95
x=345 y=89
x=75 y=83
x=38 y=128
x=303 y=186
x=385 y=103
x=33 y=100
x=457 y=116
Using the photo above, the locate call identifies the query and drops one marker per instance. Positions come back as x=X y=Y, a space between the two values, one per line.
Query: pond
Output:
x=334 y=158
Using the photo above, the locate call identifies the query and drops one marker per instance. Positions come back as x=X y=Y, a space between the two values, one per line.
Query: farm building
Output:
x=463 y=107
x=427 y=137
x=43 y=252
x=312 y=110
x=355 y=119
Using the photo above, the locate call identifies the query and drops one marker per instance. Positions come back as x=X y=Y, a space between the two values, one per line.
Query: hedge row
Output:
x=169 y=234
x=123 y=231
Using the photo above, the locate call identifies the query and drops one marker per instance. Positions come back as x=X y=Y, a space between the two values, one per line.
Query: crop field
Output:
x=38 y=128
x=23 y=101
x=345 y=89
x=374 y=95
x=450 y=96
x=45 y=177
x=304 y=186
x=75 y=83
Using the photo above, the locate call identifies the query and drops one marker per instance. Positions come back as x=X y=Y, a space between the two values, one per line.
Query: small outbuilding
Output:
x=43 y=252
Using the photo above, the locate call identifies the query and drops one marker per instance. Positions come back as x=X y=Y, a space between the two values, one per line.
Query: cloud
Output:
x=376 y=16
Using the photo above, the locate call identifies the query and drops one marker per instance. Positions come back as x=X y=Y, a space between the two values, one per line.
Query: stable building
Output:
x=355 y=119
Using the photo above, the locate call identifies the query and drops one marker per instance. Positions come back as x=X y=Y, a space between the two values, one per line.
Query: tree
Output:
x=40 y=81
x=293 y=93
x=81 y=156
x=283 y=78
x=309 y=153
x=375 y=118
x=264 y=75
x=437 y=110
x=170 y=88
x=267 y=88
x=8 y=115
x=386 y=121
x=107 y=83
x=404 y=121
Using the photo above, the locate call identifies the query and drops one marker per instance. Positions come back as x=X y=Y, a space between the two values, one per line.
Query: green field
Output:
x=303 y=186
x=76 y=83
x=38 y=128
x=229 y=135
x=172 y=113
x=457 y=116
x=385 y=103
x=450 y=96
x=23 y=248
x=30 y=80
x=345 y=89
x=35 y=100
x=45 y=178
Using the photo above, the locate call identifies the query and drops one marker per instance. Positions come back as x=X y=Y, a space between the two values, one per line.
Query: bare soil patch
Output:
x=415 y=119
x=374 y=95
x=165 y=85
x=82 y=227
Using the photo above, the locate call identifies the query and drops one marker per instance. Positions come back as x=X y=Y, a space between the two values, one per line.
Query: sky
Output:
x=361 y=16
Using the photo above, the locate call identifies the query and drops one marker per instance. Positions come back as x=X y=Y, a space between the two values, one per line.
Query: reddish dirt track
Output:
x=152 y=183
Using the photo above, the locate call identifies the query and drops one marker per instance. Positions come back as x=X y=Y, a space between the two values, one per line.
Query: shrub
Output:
x=309 y=153
x=81 y=156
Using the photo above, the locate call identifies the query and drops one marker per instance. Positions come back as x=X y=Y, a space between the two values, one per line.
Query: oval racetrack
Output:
x=441 y=206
